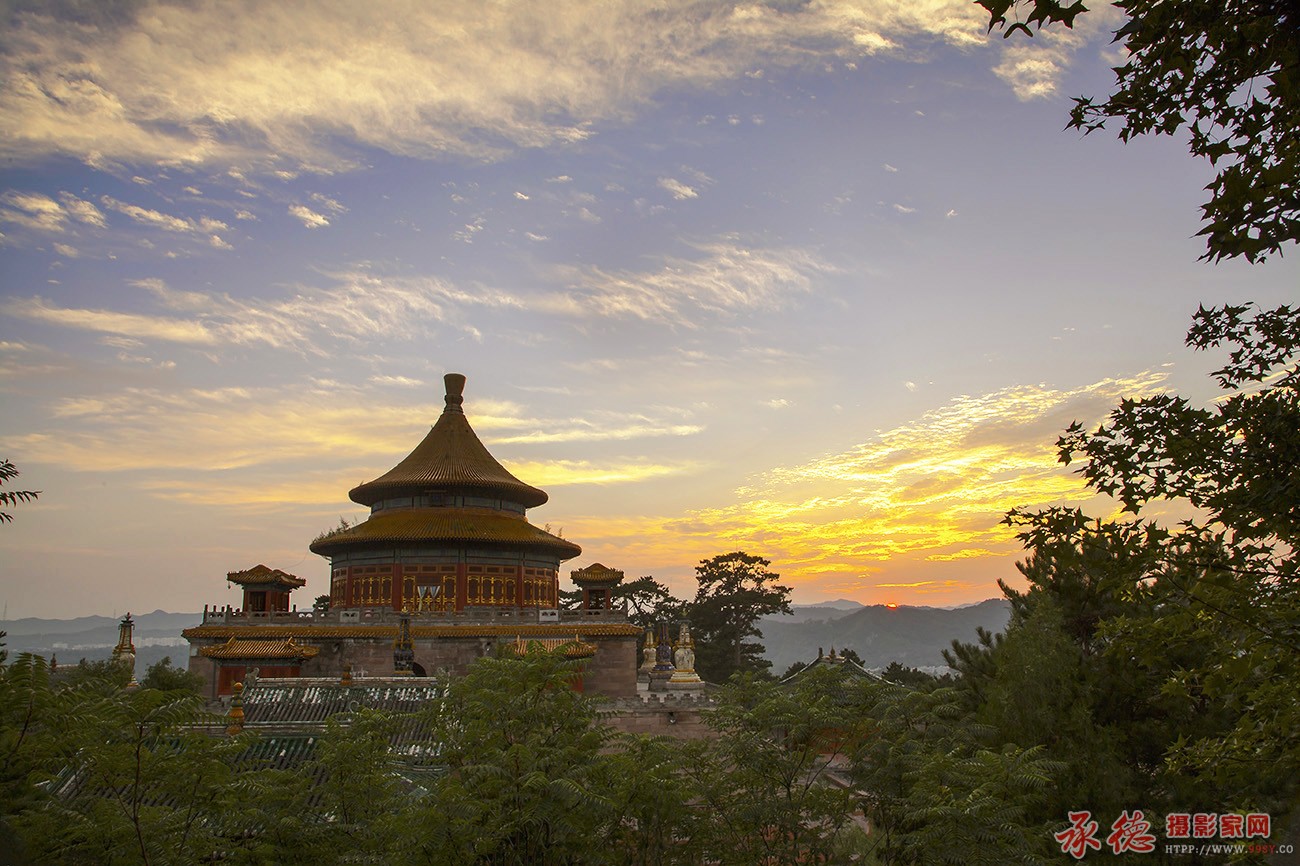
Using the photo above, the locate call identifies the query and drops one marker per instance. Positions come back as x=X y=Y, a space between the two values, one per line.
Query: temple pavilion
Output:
x=445 y=569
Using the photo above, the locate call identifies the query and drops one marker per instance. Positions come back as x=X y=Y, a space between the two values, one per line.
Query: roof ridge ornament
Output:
x=455 y=384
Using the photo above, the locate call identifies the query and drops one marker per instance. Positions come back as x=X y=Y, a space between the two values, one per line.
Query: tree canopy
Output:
x=1227 y=75
x=735 y=590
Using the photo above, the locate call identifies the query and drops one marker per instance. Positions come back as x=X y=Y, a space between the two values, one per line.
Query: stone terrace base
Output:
x=442 y=645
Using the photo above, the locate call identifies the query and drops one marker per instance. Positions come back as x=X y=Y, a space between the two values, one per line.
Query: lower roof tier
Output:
x=444 y=525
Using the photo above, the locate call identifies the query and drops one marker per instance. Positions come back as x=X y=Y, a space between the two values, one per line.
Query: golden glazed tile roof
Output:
x=596 y=574
x=234 y=648
x=451 y=457
x=415 y=525
x=260 y=574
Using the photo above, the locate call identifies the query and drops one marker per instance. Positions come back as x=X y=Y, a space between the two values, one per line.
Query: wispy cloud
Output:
x=204 y=227
x=42 y=213
x=913 y=500
x=355 y=306
x=308 y=217
x=110 y=322
x=679 y=190
x=234 y=428
x=725 y=278
x=205 y=84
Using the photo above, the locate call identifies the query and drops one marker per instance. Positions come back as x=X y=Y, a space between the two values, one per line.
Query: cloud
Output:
x=33 y=211
x=679 y=190
x=149 y=217
x=203 y=227
x=398 y=381
x=67 y=251
x=109 y=322
x=559 y=473
x=307 y=88
x=1033 y=67
x=922 y=499
x=354 y=308
x=308 y=217
x=332 y=205
x=235 y=428
x=726 y=278
x=40 y=212
x=82 y=210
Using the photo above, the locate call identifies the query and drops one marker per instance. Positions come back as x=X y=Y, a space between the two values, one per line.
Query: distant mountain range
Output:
x=912 y=636
x=157 y=634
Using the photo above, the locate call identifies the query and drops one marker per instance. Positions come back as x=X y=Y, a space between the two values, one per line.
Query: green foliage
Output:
x=913 y=677
x=523 y=753
x=162 y=675
x=649 y=601
x=1225 y=74
x=734 y=591
x=794 y=668
x=1189 y=632
x=10 y=498
x=130 y=779
x=935 y=787
x=765 y=780
x=653 y=817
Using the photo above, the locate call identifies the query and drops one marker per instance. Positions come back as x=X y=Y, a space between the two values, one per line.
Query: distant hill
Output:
x=157 y=634
x=913 y=636
x=821 y=611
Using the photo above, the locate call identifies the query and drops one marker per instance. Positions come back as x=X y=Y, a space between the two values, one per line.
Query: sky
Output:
x=821 y=281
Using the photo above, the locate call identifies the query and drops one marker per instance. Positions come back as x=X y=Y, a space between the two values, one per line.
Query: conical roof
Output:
x=450 y=458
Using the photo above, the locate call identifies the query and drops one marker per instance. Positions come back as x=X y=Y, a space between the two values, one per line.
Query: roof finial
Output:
x=455 y=383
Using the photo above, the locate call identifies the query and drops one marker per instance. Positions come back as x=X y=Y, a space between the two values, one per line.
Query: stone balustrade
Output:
x=227 y=615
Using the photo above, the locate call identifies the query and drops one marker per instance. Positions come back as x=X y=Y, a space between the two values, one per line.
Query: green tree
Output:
x=649 y=601
x=10 y=498
x=735 y=590
x=913 y=677
x=766 y=779
x=524 y=755
x=654 y=817
x=936 y=786
x=163 y=675
x=1201 y=617
x=1225 y=74
x=130 y=779
x=28 y=703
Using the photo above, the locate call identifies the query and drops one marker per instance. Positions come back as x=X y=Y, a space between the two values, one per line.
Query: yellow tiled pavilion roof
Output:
x=445 y=524
x=596 y=574
x=451 y=457
x=260 y=574
x=234 y=648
